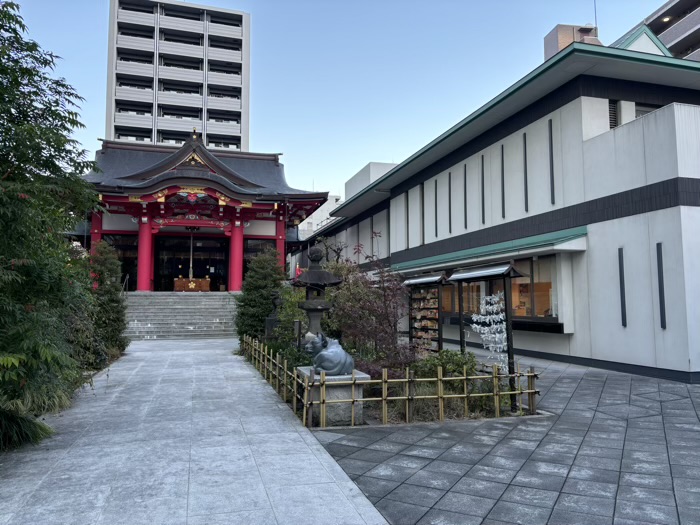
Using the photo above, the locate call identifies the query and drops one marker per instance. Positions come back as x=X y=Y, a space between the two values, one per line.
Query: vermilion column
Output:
x=280 y=235
x=95 y=229
x=235 y=258
x=145 y=259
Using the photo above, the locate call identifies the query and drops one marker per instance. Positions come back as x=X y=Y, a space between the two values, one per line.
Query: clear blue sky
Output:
x=336 y=84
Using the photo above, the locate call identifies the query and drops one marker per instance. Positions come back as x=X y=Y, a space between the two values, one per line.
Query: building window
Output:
x=448 y=305
x=613 y=113
x=643 y=109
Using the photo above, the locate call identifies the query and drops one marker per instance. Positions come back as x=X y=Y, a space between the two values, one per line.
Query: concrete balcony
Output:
x=181 y=24
x=179 y=73
x=224 y=79
x=681 y=30
x=225 y=55
x=179 y=99
x=135 y=42
x=135 y=68
x=179 y=124
x=176 y=48
x=226 y=103
x=223 y=128
x=213 y=144
x=145 y=140
x=224 y=30
x=134 y=94
x=132 y=120
x=134 y=17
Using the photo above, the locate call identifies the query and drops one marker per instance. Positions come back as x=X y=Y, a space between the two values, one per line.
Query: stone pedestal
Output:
x=337 y=414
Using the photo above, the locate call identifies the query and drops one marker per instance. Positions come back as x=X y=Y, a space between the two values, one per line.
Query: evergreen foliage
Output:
x=110 y=319
x=255 y=303
x=43 y=291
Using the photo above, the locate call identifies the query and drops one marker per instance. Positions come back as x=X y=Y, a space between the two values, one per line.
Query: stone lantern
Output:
x=316 y=279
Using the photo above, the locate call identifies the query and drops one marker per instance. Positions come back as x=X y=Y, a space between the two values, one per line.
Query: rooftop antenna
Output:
x=595 y=16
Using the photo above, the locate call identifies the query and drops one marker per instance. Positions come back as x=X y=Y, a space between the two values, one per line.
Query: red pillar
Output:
x=95 y=229
x=145 y=259
x=235 y=258
x=280 y=238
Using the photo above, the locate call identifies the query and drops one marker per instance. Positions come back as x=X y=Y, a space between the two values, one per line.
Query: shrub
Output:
x=263 y=279
x=110 y=318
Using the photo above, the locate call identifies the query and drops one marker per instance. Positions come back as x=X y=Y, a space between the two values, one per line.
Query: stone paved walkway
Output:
x=618 y=448
x=178 y=432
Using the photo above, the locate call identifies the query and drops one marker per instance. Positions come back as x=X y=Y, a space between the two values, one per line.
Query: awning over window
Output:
x=484 y=273
x=424 y=279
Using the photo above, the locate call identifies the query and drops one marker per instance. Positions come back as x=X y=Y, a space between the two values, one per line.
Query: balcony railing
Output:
x=178 y=48
x=181 y=24
x=181 y=73
x=134 y=68
x=219 y=102
x=135 y=42
x=225 y=55
x=135 y=94
x=179 y=98
x=224 y=30
x=224 y=79
x=134 y=17
x=173 y=123
x=133 y=120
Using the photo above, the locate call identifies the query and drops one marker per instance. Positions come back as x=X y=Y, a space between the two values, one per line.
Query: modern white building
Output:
x=584 y=174
x=175 y=66
x=321 y=217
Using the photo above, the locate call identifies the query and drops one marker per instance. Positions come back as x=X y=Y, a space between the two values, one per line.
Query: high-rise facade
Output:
x=174 y=67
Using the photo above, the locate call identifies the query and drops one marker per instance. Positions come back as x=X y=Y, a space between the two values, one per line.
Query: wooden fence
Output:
x=291 y=387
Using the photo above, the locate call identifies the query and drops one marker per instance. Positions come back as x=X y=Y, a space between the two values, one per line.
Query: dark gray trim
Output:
x=662 y=293
x=623 y=299
x=436 y=207
x=406 y=218
x=483 y=190
x=527 y=205
x=647 y=371
x=659 y=196
x=551 y=160
x=503 y=182
x=422 y=214
x=449 y=202
x=466 y=220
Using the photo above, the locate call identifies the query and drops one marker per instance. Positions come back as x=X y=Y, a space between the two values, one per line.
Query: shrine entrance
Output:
x=207 y=256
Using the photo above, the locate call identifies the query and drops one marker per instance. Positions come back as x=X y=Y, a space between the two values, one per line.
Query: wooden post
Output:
x=385 y=393
x=295 y=391
x=352 y=397
x=411 y=395
x=532 y=395
x=406 y=392
x=466 y=394
x=284 y=382
x=277 y=373
x=323 y=399
x=520 y=395
x=307 y=417
x=496 y=392
x=441 y=400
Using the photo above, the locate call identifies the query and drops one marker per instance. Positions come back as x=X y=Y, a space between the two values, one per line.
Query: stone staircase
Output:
x=180 y=315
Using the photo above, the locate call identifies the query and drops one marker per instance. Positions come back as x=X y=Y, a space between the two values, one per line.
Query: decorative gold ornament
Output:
x=134 y=198
x=188 y=189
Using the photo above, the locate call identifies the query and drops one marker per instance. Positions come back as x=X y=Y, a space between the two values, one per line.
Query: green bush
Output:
x=110 y=307
x=452 y=363
x=262 y=281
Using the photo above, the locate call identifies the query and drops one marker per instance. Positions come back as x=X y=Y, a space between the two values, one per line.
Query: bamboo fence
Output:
x=291 y=387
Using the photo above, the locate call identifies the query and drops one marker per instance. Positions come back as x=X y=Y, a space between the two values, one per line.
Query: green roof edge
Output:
x=627 y=41
x=534 y=241
x=575 y=48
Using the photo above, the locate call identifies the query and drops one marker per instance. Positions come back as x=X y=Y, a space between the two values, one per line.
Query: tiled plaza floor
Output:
x=175 y=433
x=618 y=449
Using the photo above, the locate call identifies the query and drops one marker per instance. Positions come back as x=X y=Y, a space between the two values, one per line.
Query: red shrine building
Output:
x=190 y=219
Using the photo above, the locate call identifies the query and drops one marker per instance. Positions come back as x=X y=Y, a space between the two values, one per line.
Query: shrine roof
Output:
x=131 y=168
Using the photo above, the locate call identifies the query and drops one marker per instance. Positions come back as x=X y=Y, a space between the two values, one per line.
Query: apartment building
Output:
x=174 y=67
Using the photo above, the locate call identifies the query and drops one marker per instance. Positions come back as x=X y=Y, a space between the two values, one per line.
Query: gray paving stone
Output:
x=688 y=498
x=391 y=472
x=375 y=456
x=646 y=495
x=416 y=495
x=445 y=466
x=500 y=475
x=594 y=474
x=659 y=469
x=586 y=505
x=519 y=513
x=564 y=517
x=436 y=480
x=480 y=487
x=388 y=446
x=538 y=481
x=408 y=461
x=541 y=467
x=646 y=480
x=444 y=517
x=400 y=513
x=466 y=504
x=602 y=463
x=375 y=487
x=530 y=496
x=646 y=513
x=590 y=488
x=423 y=452
x=356 y=466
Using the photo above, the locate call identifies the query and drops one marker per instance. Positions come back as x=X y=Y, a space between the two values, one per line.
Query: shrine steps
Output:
x=180 y=315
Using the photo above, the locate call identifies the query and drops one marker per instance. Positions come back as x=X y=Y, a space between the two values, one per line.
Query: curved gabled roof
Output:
x=126 y=166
